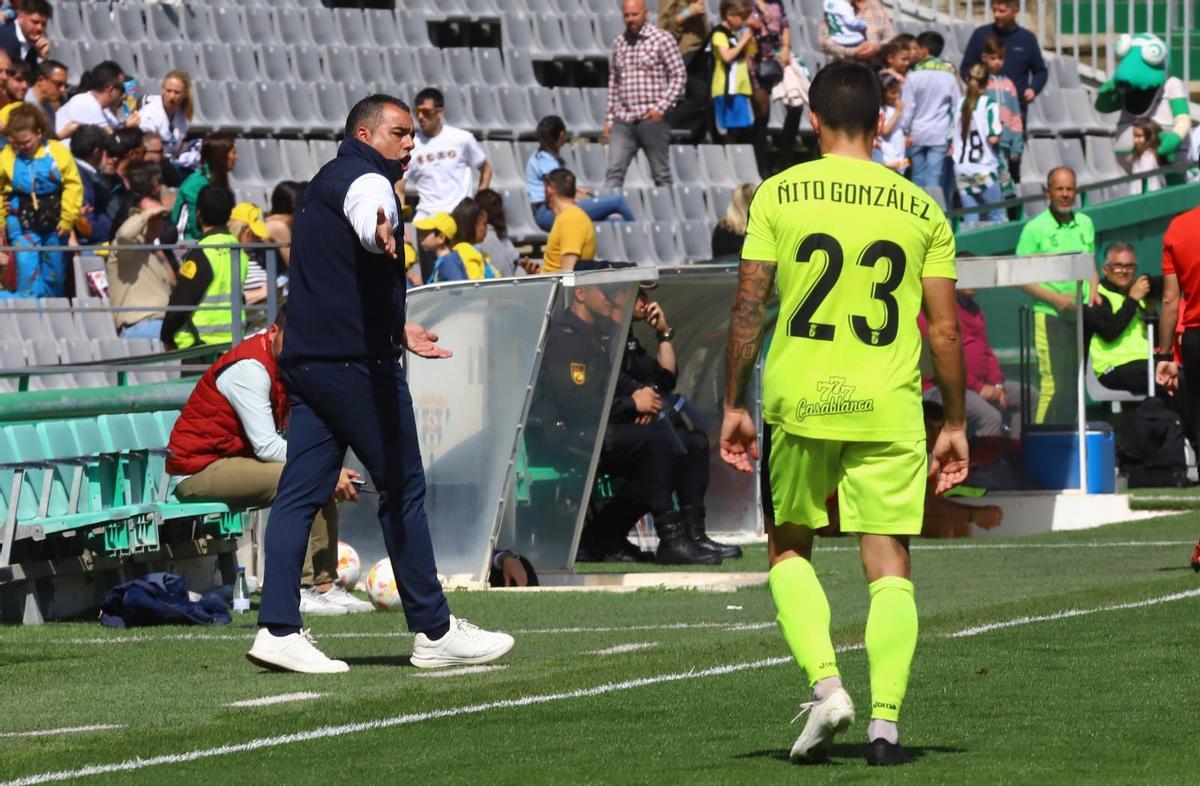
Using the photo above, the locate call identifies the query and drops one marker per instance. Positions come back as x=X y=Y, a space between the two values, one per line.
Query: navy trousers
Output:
x=364 y=405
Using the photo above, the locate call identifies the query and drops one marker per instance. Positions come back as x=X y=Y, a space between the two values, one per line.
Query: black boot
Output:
x=693 y=525
x=675 y=547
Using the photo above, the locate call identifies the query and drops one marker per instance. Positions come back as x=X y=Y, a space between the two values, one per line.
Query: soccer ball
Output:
x=348 y=568
x=381 y=586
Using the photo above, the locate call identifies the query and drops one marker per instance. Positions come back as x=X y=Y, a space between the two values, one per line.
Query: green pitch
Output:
x=700 y=693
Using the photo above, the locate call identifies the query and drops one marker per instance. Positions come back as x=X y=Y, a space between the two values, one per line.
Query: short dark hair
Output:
x=562 y=180
x=466 y=217
x=21 y=68
x=46 y=69
x=493 y=204
x=431 y=94
x=125 y=140
x=286 y=196
x=87 y=140
x=42 y=7
x=107 y=74
x=368 y=113
x=847 y=98
x=281 y=316
x=1017 y=3
x=214 y=204
x=933 y=42
x=142 y=176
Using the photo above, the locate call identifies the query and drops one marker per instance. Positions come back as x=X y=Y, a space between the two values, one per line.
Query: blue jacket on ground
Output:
x=159 y=599
x=1023 y=62
x=342 y=305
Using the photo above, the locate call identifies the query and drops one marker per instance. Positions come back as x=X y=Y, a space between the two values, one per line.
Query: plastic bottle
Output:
x=241 y=593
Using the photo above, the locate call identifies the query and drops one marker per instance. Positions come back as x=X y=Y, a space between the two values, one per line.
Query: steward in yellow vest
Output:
x=1118 y=348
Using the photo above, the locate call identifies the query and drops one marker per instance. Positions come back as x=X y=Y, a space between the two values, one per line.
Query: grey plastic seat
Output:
x=520 y=216
x=331 y=101
x=593 y=162
x=575 y=112
x=401 y=64
x=691 y=203
x=489 y=65
x=596 y=99
x=291 y=27
x=98 y=23
x=72 y=58
x=163 y=22
x=1031 y=189
x=697 y=240
x=685 y=165
x=507 y=172
x=245 y=64
x=275 y=64
x=67 y=23
x=199 y=25
x=552 y=42
x=80 y=350
x=216 y=63
x=153 y=60
x=608 y=242
x=131 y=28
x=12 y=357
x=211 y=111
x=382 y=25
x=459 y=111
x=1102 y=157
x=434 y=72
x=341 y=65
x=519 y=65
x=32 y=324
x=460 y=63
x=515 y=109
x=633 y=198
x=543 y=101
x=637 y=239
x=370 y=61
x=660 y=203
x=1081 y=109
x=667 y=244
x=715 y=166
x=483 y=9
x=96 y=324
x=412 y=28
x=274 y=110
x=322 y=150
x=485 y=108
x=745 y=165
x=609 y=25
x=638 y=174
x=351 y=25
x=323 y=28
x=296 y=158
x=111 y=348
x=306 y=61
x=1070 y=153
x=580 y=34
x=260 y=27
x=517 y=35
x=718 y=201
x=63 y=324
x=185 y=55
x=230 y=25
x=1036 y=122
x=1066 y=72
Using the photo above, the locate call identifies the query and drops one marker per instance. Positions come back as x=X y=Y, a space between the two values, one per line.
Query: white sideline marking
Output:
x=282 y=698
x=1068 y=613
x=473 y=709
x=621 y=649
x=460 y=670
x=1102 y=544
x=63 y=730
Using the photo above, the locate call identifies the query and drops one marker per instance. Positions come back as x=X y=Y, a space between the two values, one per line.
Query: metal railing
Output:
x=122 y=366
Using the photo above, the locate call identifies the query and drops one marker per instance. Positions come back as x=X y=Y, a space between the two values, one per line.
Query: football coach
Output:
x=342 y=367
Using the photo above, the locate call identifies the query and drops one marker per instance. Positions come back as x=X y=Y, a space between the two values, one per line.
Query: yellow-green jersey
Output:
x=851 y=241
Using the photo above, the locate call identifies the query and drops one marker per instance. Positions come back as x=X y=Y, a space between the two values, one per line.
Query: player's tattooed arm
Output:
x=755 y=280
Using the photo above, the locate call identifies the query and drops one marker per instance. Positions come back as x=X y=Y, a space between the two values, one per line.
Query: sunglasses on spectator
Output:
x=427 y=112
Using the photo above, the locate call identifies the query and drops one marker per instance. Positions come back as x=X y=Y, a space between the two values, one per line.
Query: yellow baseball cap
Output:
x=410 y=255
x=441 y=222
x=252 y=217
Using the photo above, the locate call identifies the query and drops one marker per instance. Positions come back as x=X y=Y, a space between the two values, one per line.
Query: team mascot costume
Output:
x=1140 y=88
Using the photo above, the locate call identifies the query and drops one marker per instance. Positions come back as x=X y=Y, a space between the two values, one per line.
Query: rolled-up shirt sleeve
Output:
x=365 y=196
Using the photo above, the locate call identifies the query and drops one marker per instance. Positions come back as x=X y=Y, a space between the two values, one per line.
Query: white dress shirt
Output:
x=247 y=386
x=365 y=196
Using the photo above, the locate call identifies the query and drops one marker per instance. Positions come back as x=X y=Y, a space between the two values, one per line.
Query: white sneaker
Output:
x=314 y=602
x=339 y=597
x=826 y=718
x=294 y=652
x=464 y=644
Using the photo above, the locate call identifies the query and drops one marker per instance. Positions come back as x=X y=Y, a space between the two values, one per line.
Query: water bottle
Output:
x=241 y=593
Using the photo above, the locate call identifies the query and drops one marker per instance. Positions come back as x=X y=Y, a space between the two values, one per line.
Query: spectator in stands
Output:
x=687 y=21
x=1145 y=156
x=730 y=231
x=646 y=78
x=845 y=28
x=155 y=152
x=104 y=90
x=890 y=143
x=227 y=443
x=1023 y=62
x=992 y=401
x=5 y=67
x=573 y=237
x=772 y=54
x=206 y=277
x=50 y=83
x=24 y=38
x=897 y=58
x=284 y=199
x=930 y=94
x=496 y=244
x=442 y=162
x=168 y=116
x=247 y=225
x=140 y=278
x=1003 y=93
x=975 y=137
x=879 y=31
x=465 y=260
x=437 y=239
x=42 y=194
x=88 y=145
x=732 y=48
x=16 y=85
x=141 y=179
x=1062 y=230
x=1117 y=345
x=551 y=136
x=218 y=157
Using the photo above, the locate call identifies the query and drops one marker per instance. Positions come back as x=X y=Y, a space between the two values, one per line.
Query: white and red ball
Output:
x=349 y=568
x=381 y=586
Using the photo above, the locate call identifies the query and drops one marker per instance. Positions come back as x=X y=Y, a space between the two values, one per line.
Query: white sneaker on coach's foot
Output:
x=339 y=597
x=464 y=644
x=314 y=602
x=826 y=718
x=294 y=652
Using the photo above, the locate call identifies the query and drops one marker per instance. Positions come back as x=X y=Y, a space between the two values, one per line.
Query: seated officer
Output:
x=605 y=537
x=227 y=444
x=1118 y=348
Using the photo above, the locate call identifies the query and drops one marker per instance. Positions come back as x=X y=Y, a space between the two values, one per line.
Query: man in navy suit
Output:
x=24 y=38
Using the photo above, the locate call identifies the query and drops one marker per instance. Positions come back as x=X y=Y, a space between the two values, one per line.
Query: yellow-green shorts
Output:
x=880 y=485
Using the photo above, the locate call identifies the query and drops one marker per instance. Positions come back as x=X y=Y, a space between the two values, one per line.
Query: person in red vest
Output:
x=227 y=442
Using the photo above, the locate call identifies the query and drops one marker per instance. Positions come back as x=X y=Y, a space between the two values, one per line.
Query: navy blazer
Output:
x=10 y=44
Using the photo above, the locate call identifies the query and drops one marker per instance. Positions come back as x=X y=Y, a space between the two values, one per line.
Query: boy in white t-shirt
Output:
x=443 y=159
x=845 y=28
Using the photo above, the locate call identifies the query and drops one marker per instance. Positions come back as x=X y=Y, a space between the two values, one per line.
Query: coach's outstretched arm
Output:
x=739 y=437
x=949 y=464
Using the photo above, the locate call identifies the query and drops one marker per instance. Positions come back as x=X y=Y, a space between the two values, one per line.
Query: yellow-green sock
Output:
x=802 y=612
x=891 y=640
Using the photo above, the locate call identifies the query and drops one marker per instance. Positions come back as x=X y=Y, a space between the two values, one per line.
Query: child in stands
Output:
x=1003 y=93
x=891 y=141
x=974 y=134
x=1145 y=156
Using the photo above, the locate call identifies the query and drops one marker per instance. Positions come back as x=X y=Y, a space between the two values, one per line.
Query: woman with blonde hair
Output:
x=730 y=231
x=168 y=116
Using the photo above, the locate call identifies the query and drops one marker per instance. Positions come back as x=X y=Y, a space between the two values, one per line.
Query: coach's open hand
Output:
x=385 y=237
x=739 y=440
x=423 y=343
x=949 y=463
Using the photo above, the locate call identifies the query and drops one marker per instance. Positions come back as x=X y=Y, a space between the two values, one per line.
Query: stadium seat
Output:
x=72 y=58
x=412 y=27
x=96 y=324
x=67 y=23
x=593 y=163
x=743 y=162
x=351 y=25
x=515 y=109
x=1070 y=153
x=12 y=357
x=638 y=174
x=401 y=64
x=1102 y=158
x=297 y=159
x=637 y=205
x=609 y=25
x=460 y=64
x=581 y=35
x=482 y=9
x=459 y=111
x=506 y=172
x=129 y=23
x=162 y=22
x=552 y=43
x=269 y=160
x=302 y=103
x=291 y=27
x=45 y=352
x=489 y=65
x=685 y=165
x=1079 y=106
x=323 y=28
x=199 y=25
x=111 y=348
x=575 y=112
x=331 y=100
x=1066 y=72
x=1036 y=121
x=519 y=65
x=667 y=245
x=382 y=24
x=691 y=203
x=697 y=240
x=98 y=23
x=434 y=72
x=715 y=166
x=660 y=204
x=517 y=35
x=63 y=324
x=80 y=350
x=216 y=64
x=341 y=64
x=211 y=113
x=230 y=25
x=637 y=239
x=718 y=200
x=1032 y=189
x=32 y=324
x=608 y=242
x=520 y=216
x=486 y=110
x=322 y=151
x=275 y=64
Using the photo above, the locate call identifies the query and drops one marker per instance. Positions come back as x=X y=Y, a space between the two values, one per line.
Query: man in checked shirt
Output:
x=645 y=78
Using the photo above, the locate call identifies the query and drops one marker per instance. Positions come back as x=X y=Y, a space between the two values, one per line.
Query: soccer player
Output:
x=856 y=250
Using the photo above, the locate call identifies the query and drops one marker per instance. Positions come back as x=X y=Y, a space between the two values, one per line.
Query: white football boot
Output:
x=294 y=652
x=338 y=596
x=313 y=601
x=464 y=645
x=825 y=719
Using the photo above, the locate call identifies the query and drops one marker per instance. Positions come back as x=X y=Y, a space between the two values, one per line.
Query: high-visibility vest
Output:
x=214 y=325
x=1128 y=347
